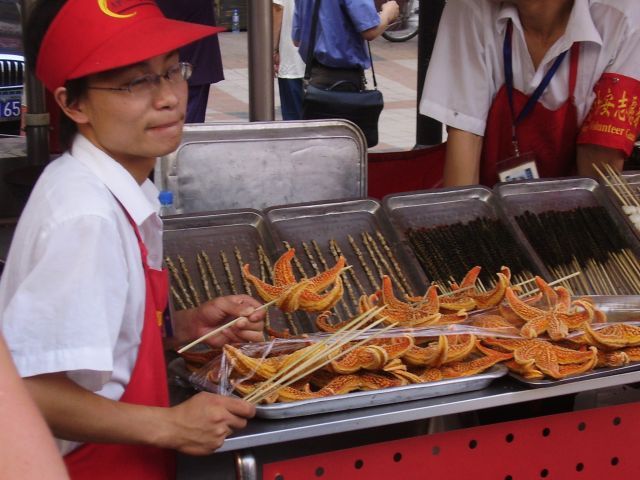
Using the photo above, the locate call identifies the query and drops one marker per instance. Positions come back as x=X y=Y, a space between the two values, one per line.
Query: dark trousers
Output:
x=290 y=98
x=322 y=76
x=197 y=103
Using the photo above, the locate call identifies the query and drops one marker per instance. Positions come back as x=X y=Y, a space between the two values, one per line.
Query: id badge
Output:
x=518 y=167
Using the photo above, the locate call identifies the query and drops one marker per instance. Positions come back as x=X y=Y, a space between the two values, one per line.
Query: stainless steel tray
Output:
x=619 y=308
x=600 y=372
x=221 y=166
x=563 y=194
x=338 y=220
x=447 y=206
x=381 y=397
x=216 y=232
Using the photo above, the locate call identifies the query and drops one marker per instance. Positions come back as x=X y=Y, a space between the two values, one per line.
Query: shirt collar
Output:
x=140 y=201
x=580 y=27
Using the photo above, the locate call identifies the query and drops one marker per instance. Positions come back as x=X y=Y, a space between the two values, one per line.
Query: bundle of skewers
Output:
x=213 y=276
x=584 y=239
x=448 y=251
x=393 y=342
x=626 y=193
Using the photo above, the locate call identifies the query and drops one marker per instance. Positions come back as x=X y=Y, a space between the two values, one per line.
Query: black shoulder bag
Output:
x=361 y=107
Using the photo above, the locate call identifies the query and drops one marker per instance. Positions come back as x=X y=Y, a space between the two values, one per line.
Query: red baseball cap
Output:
x=91 y=36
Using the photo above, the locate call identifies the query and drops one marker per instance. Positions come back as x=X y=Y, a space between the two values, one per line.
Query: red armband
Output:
x=615 y=114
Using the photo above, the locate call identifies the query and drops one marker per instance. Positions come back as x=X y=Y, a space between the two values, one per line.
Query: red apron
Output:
x=549 y=134
x=147 y=386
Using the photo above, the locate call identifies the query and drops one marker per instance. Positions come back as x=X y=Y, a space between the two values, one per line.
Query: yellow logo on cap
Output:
x=105 y=9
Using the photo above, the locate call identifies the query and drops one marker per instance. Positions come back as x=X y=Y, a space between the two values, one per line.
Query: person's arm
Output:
x=388 y=14
x=28 y=451
x=277 y=27
x=194 y=322
x=462 y=166
x=195 y=427
x=589 y=155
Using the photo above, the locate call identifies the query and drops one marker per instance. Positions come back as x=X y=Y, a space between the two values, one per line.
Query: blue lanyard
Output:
x=508 y=73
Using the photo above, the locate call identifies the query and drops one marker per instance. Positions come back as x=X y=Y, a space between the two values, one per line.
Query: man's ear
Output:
x=73 y=111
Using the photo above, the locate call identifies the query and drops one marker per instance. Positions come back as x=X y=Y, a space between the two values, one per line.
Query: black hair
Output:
x=40 y=18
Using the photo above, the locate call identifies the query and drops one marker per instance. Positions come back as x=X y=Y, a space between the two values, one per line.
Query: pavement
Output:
x=396 y=72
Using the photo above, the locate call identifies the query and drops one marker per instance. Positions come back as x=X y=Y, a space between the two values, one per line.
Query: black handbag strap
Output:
x=312 y=46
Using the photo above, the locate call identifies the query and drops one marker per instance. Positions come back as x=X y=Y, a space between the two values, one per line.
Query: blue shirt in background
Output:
x=339 y=42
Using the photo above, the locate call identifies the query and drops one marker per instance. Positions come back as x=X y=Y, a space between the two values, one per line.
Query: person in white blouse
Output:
x=83 y=290
x=526 y=86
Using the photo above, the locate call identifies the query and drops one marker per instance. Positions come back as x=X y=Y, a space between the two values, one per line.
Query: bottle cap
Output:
x=166 y=197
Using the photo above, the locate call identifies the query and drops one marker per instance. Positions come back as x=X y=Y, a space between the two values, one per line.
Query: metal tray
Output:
x=337 y=220
x=186 y=235
x=601 y=372
x=453 y=205
x=619 y=308
x=381 y=397
x=563 y=194
x=633 y=179
x=254 y=165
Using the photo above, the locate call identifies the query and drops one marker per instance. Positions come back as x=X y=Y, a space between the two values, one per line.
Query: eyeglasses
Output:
x=147 y=83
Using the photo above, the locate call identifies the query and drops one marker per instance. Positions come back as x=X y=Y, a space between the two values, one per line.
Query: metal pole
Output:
x=37 y=117
x=261 y=103
x=428 y=131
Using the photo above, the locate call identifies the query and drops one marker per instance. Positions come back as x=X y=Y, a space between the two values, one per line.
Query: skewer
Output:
x=384 y=262
x=373 y=257
x=245 y=282
x=333 y=244
x=293 y=328
x=613 y=188
x=223 y=327
x=187 y=276
x=341 y=333
x=394 y=261
x=555 y=282
x=297 y=375
x=212 y=274
x=263 y=277
x=625 y=185
x=312 y=260
x=362 y=261
x=317 y=352
x=203 y=276
x=177 y=298
x=227 y=271
x=176 y=277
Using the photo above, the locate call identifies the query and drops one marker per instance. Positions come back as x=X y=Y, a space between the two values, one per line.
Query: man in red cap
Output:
x=83 y=286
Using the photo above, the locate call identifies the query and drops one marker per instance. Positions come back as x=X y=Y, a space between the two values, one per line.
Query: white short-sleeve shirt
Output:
x=72 y=294
x=466 y=69
x=291 y=64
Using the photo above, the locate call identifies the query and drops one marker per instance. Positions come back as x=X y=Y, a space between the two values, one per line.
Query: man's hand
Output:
x=276 y=63
x=390 y=10
x=195 y=322
x=200 y=425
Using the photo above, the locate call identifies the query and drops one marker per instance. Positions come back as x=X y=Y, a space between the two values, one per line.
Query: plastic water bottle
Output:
x=166 y=203
x=235 y=21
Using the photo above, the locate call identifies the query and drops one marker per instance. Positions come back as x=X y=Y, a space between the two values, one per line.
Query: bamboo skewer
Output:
x=297 y=376
x=176 y=277
x=287 y=377
x=212 y=274
x=351 y=326
x=223 y=327
x=187 y=276
x=394 y=261
x=203 y=276
x=227 y=271
x=245 y=282
x=178 y=298
x=385 y=264
x=334 y=244
x=374 y=259
x=364 y=264
x=345 y=277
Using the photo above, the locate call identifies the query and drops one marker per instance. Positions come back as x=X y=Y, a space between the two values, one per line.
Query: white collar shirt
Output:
x=466 y=69
x=72 y=294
